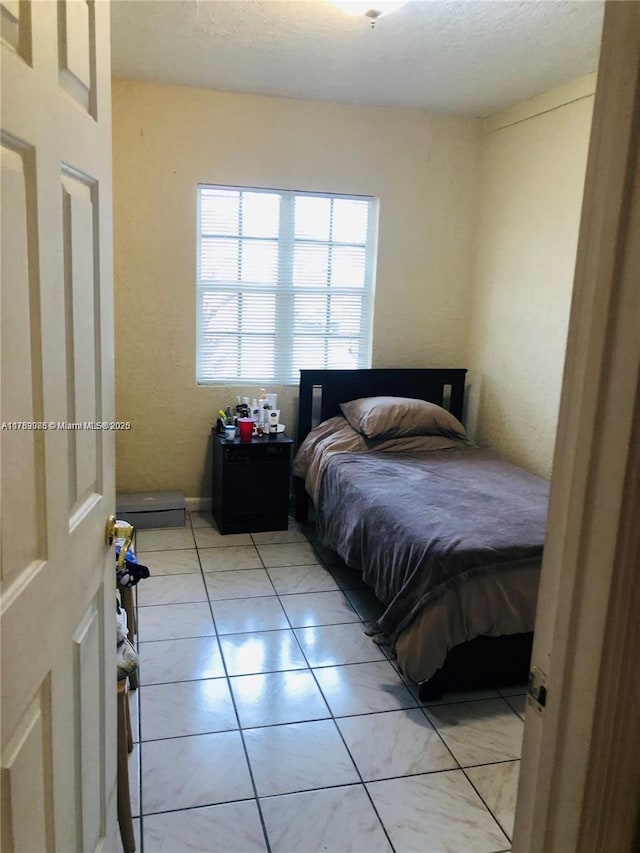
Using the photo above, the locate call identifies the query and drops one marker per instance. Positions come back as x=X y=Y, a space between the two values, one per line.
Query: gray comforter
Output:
x=417 y=524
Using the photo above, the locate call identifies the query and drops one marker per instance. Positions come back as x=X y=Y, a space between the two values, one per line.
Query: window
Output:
x=285 y=281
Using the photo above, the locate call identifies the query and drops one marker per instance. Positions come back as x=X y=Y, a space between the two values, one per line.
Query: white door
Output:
x=579 y=782
x=57 y=580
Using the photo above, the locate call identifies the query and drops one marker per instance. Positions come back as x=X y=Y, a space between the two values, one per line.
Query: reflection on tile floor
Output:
x=266 y=720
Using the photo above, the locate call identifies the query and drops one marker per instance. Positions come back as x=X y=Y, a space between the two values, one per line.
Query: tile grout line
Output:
x=332 y=717
x=402 y=679
x=235 y=709
x=417 y=698
x=424 y=711
x=311 y=669
x=337 y=727
x=437 y=730
x=239 y=730
x=486 y=805
x=420 y=707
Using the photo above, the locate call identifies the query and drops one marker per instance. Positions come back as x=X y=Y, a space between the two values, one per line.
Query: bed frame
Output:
x=322 y=391
x=485 y=661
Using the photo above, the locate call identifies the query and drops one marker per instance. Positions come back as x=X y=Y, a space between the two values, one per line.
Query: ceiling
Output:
x=462 y=57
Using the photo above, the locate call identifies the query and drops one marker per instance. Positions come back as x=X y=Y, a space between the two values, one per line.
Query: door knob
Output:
x=110 y=530
x=115 y=529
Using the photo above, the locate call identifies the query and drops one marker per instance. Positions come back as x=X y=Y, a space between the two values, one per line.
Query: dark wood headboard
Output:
x=322 y=391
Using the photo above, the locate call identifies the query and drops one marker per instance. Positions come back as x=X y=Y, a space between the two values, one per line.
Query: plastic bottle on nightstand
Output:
x=263 y=413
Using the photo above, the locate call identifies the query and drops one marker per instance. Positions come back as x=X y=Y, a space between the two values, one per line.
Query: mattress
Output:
x=426 y=528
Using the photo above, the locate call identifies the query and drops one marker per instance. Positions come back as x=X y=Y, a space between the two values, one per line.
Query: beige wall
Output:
x=532 y=168
x=168 y=139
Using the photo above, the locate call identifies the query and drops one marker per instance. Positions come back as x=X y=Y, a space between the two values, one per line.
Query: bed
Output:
x=448 y=535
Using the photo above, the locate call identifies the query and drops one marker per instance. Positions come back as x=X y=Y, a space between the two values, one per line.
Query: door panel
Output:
x=26 y=762
x=75 y=31
x=82 y=345
x=57 y=614
x=21 y=344
x=89 y=678
x=16 y=27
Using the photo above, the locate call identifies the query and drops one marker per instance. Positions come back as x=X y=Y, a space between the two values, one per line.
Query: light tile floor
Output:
x=267 y=721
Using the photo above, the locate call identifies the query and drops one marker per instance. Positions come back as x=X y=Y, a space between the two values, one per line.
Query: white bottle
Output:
x=263 y=414
x=255 y=412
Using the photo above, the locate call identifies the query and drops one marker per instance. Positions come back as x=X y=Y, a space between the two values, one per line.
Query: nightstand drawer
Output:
x=254 y=454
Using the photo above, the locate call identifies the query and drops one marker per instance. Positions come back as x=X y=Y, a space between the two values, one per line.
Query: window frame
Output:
x=284 y=288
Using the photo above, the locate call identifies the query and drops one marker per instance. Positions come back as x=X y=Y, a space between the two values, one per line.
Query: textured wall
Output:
x=532 y=168
x=167 y=140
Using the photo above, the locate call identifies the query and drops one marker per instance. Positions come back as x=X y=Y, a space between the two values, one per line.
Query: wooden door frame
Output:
x=580 y=776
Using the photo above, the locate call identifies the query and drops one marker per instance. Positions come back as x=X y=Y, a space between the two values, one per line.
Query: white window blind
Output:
x=285 y=281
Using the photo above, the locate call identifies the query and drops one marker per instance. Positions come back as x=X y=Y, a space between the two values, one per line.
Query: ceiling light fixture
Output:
x=372 y=9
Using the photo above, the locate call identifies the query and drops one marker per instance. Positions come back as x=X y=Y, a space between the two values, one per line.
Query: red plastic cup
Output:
x=245 y=425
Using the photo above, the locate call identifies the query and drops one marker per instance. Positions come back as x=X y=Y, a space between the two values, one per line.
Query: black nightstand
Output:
x=251 y=483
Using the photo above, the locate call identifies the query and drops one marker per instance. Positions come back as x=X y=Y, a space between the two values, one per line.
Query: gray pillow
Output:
x=394 y=417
